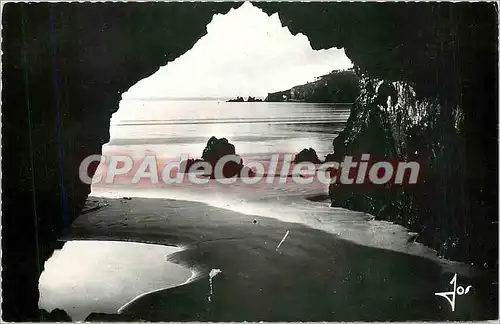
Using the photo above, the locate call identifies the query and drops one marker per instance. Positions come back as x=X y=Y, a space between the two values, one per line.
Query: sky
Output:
x=244 y=53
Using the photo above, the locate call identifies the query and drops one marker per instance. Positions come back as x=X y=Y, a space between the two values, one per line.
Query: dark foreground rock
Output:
x=187 y=164
x=216 y=149
x=249 y=99
x=57 y=315
x=237 y=99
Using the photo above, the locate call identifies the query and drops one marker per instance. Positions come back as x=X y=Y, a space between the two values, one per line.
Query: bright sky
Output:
x=244 y=52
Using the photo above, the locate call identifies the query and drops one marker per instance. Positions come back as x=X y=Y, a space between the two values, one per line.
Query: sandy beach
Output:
x=313 y=276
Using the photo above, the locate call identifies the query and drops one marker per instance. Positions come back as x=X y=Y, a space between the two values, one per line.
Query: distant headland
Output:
x=338 y=86
x=249 y=99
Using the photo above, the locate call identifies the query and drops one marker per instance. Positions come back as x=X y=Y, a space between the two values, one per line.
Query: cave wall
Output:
x=391 y=123
x=65 y=66
x=447 y=54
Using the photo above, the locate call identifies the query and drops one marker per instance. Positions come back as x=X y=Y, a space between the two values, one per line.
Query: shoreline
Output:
x=104 y=275
x=355 y=226
x=460 y=267
x=193 y=277
x=244 y=248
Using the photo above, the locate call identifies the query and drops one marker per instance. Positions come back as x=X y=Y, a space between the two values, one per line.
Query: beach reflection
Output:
x=101 y=276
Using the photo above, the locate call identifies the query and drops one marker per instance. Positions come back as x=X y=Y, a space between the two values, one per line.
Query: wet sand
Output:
x=313 y=276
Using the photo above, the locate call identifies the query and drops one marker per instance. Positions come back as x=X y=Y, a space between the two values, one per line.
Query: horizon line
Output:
x=190 y=98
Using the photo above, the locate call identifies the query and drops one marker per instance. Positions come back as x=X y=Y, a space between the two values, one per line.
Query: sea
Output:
x=256 y=129
x=169 y=129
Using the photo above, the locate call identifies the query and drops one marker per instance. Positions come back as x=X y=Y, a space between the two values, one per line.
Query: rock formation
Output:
x=237 y=99
x=187 y=164
x=249 y=99
x=391 y=123
x=215 y=150
x=307 y=155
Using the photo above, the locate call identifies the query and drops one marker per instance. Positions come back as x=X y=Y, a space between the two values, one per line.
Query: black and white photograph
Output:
x=249 y=161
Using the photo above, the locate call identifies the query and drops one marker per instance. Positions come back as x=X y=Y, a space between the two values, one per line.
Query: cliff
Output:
x=337 y=86
x=392 y=123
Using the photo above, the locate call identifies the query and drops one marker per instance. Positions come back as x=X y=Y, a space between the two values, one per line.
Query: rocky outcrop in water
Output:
x=237 y=99
x=217 y=149
x=187 y=164
x=307 y=155
x=56 y=315
x=249 y=99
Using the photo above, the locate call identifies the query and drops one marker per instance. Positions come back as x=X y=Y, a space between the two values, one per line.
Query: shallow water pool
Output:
x=101 y=276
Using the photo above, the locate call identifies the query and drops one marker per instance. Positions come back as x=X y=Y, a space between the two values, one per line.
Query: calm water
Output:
x=172 y=128
x=101 y=276
x=169 y=129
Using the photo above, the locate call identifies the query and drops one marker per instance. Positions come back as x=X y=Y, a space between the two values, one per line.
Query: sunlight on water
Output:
x=257 y=130
x=172 y=128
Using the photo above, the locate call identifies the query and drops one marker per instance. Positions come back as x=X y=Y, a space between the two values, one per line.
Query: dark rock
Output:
x=253 y=99
x=230 y=169
x=248 y=171
x=216 y=149
x=319 y=198
x=406 y=127
x=187 y=164
x=331 y=157
x=213 y=152
x=237 y=99
x=219 y=148
x=307 y=155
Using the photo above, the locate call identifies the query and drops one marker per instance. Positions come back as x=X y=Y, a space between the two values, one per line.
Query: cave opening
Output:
x=450 y=66
x=246 y=54
x=171 y=114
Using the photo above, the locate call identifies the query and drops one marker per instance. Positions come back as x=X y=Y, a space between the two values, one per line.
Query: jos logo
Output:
x=451 y=295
